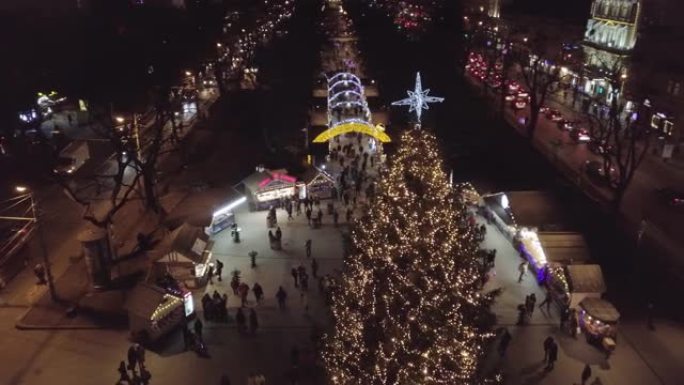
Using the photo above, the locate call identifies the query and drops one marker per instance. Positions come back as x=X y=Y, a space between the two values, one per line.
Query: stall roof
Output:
x=537 y=208
x=530 y=209
x=255 y=181
x=585 y=279
x=564 y=247
x=313 y=172
x=598 y=308
x=189 y=241
x=144 y=300
x=197 y=207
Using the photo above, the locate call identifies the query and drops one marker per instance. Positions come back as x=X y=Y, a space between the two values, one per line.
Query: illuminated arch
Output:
x=363 y=128
x=355 y=85
x=349 y=103
x=356 y=78
x=348 y=93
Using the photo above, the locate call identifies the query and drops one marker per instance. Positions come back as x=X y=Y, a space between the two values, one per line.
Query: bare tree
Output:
x=118 y=177
x=623 y=147
x=533 y=58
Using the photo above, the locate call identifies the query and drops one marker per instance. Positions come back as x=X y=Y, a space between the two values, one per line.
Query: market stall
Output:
x=570 y=284
x=318 y=184
x=224 y=217
x=185 y=254
x=265 y=188
x=153 y=311
x=598 y=319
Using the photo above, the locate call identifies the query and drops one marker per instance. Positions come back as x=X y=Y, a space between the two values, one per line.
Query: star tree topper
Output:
x=418 y=99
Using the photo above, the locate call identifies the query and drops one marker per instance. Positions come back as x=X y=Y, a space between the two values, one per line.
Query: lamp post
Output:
x=41 y=239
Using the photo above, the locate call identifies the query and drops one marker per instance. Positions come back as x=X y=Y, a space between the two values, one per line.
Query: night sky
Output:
x=575 y=10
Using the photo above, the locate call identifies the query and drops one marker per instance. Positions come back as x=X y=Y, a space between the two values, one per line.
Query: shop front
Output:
x=154 y=311
x=569 y=285
x=266 y=188
x=224 y=217
x=318 y=184
x=598 y=319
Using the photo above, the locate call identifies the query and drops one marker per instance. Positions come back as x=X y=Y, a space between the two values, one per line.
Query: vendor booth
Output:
x=571 y=284
x=224 y=217
x=265 y=188
x=538 y=227
x=599 y=319
x=319 y=184
x=153 y=311
x=185 y=254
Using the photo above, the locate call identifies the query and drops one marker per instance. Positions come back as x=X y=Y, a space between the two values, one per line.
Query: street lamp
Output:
x=41 y=239
x=119 y=119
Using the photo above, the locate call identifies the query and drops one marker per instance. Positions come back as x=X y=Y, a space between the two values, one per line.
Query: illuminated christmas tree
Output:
x=409 y=308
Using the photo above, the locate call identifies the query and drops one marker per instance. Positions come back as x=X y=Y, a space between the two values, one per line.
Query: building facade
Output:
x=609 y=39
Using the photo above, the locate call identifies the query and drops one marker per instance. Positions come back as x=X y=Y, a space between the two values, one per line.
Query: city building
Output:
x=610 y=36
x=657 y=75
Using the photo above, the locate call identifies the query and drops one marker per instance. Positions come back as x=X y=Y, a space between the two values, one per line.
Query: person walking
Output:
x=307 y=246
x=253 y=322
x=564 y=316
x=586 y=374
x=258 y=292
x=314 y=268
x=132 y=358
x=140 y=352
x=522 y=268
x=281 y=295
x=241 y=320
x=548 y=342
x=243 y=289
x=547 y=301
x=198 y=329
x=124 y=378
x=504 y=342
x=294 y=276
x=219 y=269
x=553 y=356
x=279 y=233
x=187 y=337
x=210 y=274
x=532 y=300
x=573 y=324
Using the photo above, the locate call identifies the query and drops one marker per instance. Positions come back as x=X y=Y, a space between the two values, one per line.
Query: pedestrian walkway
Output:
x=630 y=364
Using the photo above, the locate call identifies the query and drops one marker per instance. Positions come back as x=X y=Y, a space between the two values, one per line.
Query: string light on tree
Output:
x=409 y=308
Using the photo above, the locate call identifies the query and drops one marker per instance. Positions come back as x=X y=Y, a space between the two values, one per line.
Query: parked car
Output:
x=599 y=147
x=566 y=124
x=553 y=115
x=595 y=170
x=580 y=135
x=670 y=196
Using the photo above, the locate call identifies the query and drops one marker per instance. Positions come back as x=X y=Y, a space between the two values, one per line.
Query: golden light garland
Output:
x=409 y=306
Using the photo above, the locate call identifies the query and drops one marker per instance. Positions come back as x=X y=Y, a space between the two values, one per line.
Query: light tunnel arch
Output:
x=349 y=74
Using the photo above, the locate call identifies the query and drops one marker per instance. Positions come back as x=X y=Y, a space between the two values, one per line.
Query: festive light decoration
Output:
x=409 y=308
x=418 y=99
x=362 y=127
